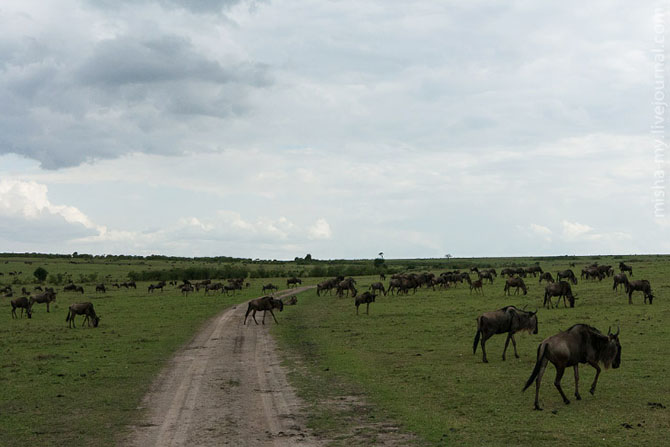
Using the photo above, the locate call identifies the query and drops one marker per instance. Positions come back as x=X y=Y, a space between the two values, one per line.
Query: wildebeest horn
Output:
x=524 y=307
x=618 y=329
x=609 y=330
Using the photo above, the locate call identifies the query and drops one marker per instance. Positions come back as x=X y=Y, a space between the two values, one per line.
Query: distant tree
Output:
x=41 y=274
x=379 y=262
x=448 y=256
x=308 y=257
x=381 y=254
x=75 y=254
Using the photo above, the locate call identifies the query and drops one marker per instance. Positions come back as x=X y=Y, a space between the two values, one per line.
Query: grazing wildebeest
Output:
x=267 y=303
x=620 y=278
x=44 y=297
x=270 y=287
x=365 y=298
x=293 y=282
x=22 y=303
x=85 y=309
x=508 y=320
x=534 y=270
x=515 y=282
x=382 y=277
x=100 y=288
x=625 y=268
x=327 y=285
x=153 y=287
x=641 y=285
x=579 y=344
x=485 y=274
x=559 y=289
x=377 y=286
x=567 y=274
x=547 y=277
x=186 y=289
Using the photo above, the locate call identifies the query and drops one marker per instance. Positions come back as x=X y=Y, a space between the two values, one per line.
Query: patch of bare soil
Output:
x=226 y=387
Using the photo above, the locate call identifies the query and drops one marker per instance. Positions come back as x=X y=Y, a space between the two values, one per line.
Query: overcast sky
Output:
x=274 y=129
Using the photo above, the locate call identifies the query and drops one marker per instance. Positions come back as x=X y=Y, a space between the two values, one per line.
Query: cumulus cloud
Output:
x=320 y=230
x=541 y=230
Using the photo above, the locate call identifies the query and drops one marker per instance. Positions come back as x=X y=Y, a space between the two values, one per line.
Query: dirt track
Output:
x=226 y=387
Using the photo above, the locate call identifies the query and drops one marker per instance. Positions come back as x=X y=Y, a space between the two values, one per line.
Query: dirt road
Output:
x=226 y=387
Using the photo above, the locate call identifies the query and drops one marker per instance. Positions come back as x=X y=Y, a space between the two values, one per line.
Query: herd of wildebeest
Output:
x=580 y=343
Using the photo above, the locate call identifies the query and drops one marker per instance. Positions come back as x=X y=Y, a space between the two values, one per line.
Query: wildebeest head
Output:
x=96 y=321
x=614 y=346
x=281 y=305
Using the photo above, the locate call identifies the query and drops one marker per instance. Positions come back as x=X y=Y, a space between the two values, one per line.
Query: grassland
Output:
x=412 y=358
x=82 y=386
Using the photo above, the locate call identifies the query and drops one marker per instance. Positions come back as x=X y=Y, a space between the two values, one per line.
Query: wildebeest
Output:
x=534 y=270
x=186 y=289
x=348 y=285
x=365 y=298
x=485 y=274
x=560 y=289
x=266 y=303
x=290 y=301
x=547 y=277
x=153 y=287
x=515 y=282
x=22 y=303
x=293 y=282
x=269 y=287
x=85 y=309
x=476 y=285
x=100 y=288
x=579 y=344
x=567 y=274
x=620 y=278
x=641 y=285
x=44 y=297
x=625 y=268
x=508 y=320
x=377 y=286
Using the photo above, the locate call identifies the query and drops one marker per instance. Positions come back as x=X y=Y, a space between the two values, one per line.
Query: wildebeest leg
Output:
x=538 y=381
x=253 y=315
x=264 y=312
x=273 y=316
x=485 y=337
x=595 y=380
x=509 y=336
x=630 y=296
x=514 y=344
x=557 y=382
x=357 y=308
x=577 y=383
x=367 y=309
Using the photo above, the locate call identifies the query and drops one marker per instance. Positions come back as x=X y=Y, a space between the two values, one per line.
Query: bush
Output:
x=41 y=274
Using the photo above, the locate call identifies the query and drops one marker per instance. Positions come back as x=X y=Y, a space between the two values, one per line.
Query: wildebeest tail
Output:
x=541 y=351
x=477 y=335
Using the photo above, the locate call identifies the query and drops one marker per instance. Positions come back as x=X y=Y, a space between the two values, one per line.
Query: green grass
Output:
x=412 y=358
x=83 y=385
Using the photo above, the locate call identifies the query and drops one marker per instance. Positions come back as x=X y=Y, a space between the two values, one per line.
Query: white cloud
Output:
x=542 y=231
x=573 y=230
x=320 y=230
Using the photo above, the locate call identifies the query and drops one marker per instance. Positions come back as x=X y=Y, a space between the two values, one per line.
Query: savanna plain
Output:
x=409 y=362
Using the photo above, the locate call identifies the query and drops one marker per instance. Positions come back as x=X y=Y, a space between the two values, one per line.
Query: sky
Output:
x=272 y=129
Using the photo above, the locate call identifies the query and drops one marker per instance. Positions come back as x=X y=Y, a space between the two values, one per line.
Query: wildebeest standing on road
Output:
x=508 y=320
x=579 y=344
x=267 y=303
